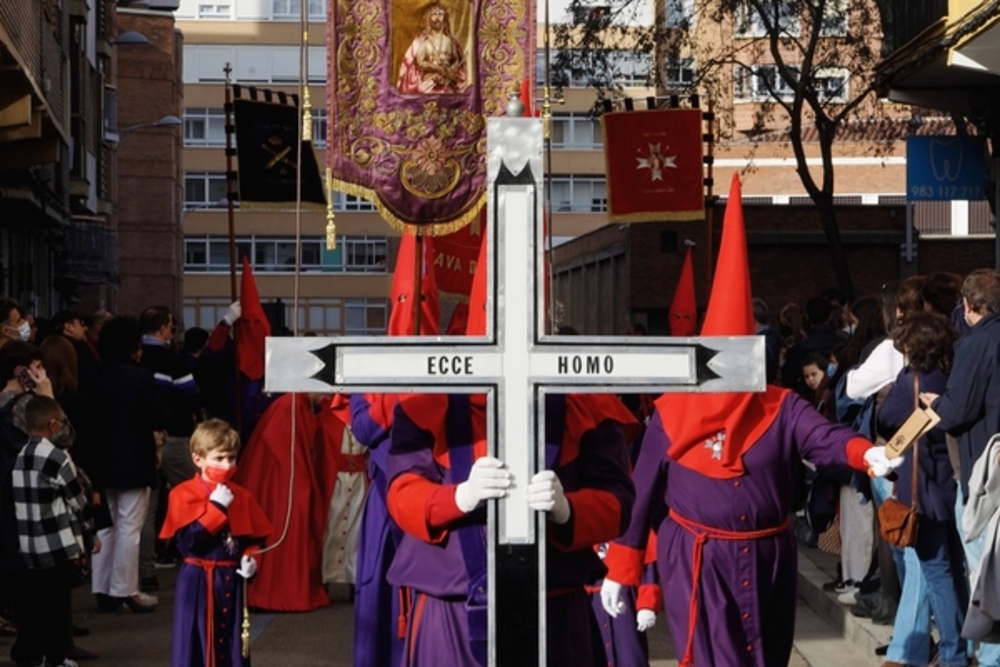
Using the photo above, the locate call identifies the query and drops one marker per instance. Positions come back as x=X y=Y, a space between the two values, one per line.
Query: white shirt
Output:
x=879 y=369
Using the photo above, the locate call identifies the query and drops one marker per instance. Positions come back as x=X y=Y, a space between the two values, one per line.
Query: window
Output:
x=761 y=82
x=204 y=127
x=110 y=111
x=595 y=15
x=574 y=194
x=587 y=69
x=215 y=10
x=782 y=14
x=366 y=317
x=679 y=72
x=345 y=202
x=319 y=128
x=831 y=84
x=574 y=131
x=365 y=254
x=679 y=14
x=270 y=254
x=204 y=190
x=292 y=9
x=834 y=22
x=252 y=63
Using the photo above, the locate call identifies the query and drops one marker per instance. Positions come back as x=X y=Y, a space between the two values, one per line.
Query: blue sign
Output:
x=944 y=168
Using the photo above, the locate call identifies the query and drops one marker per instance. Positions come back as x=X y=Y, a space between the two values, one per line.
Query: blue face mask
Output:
x=831 y=369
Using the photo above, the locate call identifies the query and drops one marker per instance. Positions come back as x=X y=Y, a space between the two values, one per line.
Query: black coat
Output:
x=127 y=409
x=970 y=406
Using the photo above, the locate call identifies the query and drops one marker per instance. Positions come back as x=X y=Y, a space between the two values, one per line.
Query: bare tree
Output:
x=799 y=72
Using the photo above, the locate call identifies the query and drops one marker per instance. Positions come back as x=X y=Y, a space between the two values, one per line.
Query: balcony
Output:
x=90 y=254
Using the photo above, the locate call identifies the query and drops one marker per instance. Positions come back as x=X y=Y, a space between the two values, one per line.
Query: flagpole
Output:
x=550 y=307
x=709 y=117
x=418 y=274
x=231 y=215
x=230 y=183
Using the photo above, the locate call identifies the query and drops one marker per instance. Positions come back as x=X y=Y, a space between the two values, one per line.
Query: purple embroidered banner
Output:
x=411 y=86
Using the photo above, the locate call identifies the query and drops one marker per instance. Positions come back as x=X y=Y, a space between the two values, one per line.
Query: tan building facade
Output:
x=346 y=291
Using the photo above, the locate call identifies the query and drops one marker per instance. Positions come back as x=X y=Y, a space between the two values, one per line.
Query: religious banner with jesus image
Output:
x=412 y=84
x=654 y=165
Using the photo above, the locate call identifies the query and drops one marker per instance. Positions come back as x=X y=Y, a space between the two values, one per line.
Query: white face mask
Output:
x=23 y=331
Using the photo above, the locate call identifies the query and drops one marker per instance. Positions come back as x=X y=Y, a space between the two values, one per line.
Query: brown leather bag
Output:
x=898 y=522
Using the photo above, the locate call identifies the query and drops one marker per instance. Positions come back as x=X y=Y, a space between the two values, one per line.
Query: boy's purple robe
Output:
x=210 y=540
x=592 y=468
x=746 y=590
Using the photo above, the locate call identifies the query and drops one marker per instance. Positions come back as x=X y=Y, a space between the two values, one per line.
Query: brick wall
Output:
x=789 y=261
x=149 y=184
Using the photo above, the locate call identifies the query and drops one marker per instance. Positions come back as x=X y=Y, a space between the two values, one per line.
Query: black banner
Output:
x=267 y=151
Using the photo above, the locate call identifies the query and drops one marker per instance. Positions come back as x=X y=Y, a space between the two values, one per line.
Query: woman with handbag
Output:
x=926 y=340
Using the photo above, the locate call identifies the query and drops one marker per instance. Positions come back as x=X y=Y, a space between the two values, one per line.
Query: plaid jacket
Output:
x=49 y=505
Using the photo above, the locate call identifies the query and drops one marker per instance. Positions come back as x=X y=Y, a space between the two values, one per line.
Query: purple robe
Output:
x=377 y=642
x=746 y=592
x=438 y=628
x=190 y=599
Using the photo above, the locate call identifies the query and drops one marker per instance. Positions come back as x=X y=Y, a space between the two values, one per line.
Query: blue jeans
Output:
x=911 y=630
x=989 y=654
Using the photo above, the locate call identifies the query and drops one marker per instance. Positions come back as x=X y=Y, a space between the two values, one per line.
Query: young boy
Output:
x=49 y=504
x=217 y=526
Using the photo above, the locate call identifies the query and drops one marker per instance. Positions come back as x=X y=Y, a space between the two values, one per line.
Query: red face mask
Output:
x=217 y=474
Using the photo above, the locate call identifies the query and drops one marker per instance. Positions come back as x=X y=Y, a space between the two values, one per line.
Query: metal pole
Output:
x=230 y=182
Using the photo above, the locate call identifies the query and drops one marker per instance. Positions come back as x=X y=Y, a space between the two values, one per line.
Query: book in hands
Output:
x=916 y=426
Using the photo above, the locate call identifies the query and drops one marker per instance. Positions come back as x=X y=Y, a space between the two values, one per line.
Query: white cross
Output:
x=517 y=365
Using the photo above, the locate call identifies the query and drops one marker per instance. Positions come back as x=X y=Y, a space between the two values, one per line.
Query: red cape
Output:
x=289 y=576
x=189 y=503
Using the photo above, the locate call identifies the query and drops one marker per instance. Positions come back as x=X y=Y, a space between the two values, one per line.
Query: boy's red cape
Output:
x=189 y=503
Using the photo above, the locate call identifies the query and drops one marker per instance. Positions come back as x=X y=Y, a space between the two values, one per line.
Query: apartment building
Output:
x=345 y=291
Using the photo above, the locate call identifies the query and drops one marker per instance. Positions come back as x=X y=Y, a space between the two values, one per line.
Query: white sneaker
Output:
x=146 y=599
x=848 y=598
x=65 y=663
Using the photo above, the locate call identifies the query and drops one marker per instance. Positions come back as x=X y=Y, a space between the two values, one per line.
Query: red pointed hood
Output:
x=476 y=317
x=251 y=328
x=402 y=319
x=711 y=432
x=683 y=317
x=527 y=98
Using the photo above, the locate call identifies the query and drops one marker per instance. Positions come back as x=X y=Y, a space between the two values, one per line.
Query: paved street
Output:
x=323 y=638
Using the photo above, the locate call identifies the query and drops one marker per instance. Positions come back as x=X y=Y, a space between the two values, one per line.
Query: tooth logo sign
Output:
x=946 y=159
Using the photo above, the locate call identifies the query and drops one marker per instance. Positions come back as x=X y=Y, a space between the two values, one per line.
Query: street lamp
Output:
x=166 y=121
x=131 y=37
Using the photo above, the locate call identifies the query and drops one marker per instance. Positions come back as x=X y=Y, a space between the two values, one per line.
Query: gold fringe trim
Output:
x=697 y=215
x=283 y=207
x=403 y=226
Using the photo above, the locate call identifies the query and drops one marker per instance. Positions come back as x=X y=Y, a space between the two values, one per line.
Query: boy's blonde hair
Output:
x=214 y=434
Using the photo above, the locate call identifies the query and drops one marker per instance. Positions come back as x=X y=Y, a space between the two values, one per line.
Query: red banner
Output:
x=654 y=165
x=455 y=259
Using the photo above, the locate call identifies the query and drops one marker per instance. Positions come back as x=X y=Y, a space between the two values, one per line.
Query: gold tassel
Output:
x=331 y=225
x=245 y=634
x=307 y=117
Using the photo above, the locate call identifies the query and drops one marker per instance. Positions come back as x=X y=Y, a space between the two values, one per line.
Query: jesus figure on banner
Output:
x=435 y=61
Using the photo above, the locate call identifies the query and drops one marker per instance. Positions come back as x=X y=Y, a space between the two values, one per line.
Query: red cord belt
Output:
x=703 y=534
x=209 y=567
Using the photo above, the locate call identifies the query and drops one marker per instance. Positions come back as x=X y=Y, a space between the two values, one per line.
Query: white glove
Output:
x=645 y=619
x=233 y=313
x=221 y=495
x=545 y=494
x=248 y=567
x=880 y=465
x=611 y=598
x=487 y=479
